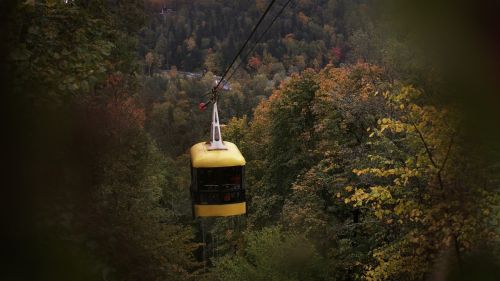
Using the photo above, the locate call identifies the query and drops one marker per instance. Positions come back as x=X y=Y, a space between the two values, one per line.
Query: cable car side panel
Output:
x=220 y=210
x=217 y=181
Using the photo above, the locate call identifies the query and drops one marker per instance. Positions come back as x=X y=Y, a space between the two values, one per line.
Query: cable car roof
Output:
x=201 y=157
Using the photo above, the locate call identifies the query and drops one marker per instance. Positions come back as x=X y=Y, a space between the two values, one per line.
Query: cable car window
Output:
x=219 y=178
x=219 y=186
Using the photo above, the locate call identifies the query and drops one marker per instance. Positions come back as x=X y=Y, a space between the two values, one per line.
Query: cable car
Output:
x=217 y=176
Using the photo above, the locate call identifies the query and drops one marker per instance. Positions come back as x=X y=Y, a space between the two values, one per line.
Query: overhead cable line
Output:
x=258 y=39
x=243 y=46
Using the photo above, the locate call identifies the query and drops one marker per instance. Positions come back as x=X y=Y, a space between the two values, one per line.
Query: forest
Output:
x=370 y=129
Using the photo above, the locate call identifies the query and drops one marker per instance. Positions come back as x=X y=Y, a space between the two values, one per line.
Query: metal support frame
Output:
x=216 y=142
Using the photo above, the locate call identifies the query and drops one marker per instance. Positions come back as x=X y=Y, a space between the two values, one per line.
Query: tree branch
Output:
x=429 y=153
x=448 y=151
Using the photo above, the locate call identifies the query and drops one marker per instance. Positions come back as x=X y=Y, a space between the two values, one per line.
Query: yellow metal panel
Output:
x=201 y=157
x=220 y=210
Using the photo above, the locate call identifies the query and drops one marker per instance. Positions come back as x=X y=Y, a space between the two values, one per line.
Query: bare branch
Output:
x=448 y=151
x=429 y=153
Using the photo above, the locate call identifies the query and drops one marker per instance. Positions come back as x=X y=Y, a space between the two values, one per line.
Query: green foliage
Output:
x=416 y=180
x=386 y=186
x=65 y=49
x=213 y=62
x=104 y=182
x=172 y=117
x=206 y=34
x=279 y=145
x=367 y=177
x=236 y=130
x=344 y=104
x=127 y=215
x=274 y=254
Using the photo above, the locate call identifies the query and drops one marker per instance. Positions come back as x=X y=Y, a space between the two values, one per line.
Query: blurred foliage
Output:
x=94 y=193
x=273 y=254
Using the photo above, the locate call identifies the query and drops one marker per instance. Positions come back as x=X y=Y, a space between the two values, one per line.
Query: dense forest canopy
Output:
x=369 y=128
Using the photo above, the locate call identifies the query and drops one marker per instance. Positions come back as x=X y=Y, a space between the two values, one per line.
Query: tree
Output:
x=280 y=134
x=344 y=104
x=254 y=62
x=95 y=176
x=149 y=61
x=273 y=254
x=213 y=62
x=161 y=47
x=421 y=181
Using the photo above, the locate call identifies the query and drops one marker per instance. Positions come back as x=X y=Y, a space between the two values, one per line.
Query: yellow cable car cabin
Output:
x=217 y=181
x=217 y=176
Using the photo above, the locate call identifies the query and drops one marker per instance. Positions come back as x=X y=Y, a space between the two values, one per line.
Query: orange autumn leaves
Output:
x=363 y=146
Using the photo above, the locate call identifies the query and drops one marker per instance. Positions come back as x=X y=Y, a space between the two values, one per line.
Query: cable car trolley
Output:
x=217 y=167
x=217 y=175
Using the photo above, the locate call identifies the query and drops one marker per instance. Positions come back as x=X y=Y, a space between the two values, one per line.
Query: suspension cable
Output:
x=258 y=39
x=214 y=90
